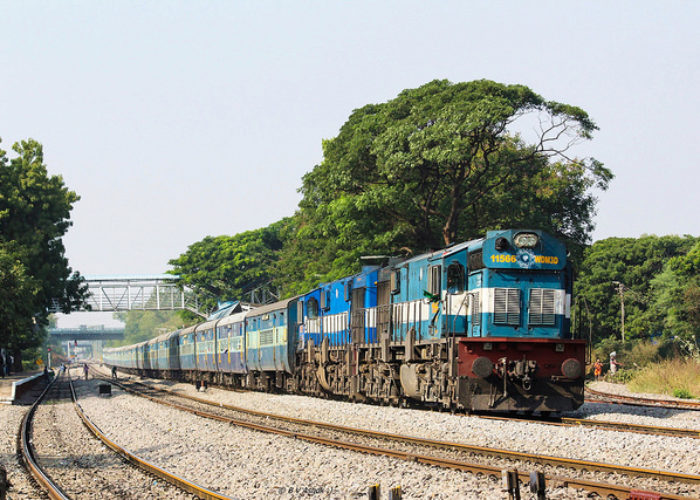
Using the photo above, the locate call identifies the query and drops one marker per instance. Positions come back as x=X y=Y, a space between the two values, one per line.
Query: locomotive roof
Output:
x=444 y=252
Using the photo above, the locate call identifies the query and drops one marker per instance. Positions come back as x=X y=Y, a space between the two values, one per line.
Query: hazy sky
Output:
x=176 y=120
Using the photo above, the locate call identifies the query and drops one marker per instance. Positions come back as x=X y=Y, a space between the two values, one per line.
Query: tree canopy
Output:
x=230 y=267
x=34 y=215
x=660 y=280
x=437 y=165
x=145 y=325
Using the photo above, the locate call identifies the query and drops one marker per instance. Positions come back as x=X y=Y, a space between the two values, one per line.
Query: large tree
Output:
x=230 y=267
x=34 y=215
x=440 y=164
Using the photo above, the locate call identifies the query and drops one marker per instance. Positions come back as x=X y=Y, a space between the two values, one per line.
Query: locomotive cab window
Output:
x=434 y=279
x=325 y=300
x=455 y=278
x=312 y=308
x=395 y=281
x=475 y=261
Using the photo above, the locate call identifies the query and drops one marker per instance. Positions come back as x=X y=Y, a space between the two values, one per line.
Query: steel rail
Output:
x=173 y=479
x=41 y=477
x=626 y=427
x=603 y=424
x=600 y=488
x=650 y=402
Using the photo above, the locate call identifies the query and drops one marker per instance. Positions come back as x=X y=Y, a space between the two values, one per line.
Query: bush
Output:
x=669 y=376
x=636 y=354
x=624 y=376
x=682 y=393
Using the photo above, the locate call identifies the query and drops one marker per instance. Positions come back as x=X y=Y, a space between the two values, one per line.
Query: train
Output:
x=479 y=326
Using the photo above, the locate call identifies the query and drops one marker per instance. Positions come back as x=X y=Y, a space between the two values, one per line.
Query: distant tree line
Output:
x=659 y=277
x=34 y=272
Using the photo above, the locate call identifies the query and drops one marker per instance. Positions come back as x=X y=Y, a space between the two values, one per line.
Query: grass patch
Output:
x=675 y=377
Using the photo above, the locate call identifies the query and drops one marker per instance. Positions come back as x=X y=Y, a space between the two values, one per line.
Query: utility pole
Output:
x=621 y=292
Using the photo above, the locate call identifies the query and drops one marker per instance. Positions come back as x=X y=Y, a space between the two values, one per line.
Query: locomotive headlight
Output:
x=488 y=346
x=526 y=240
x=559 y=348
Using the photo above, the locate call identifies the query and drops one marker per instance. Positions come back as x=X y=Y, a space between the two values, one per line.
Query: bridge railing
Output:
x=144 y=293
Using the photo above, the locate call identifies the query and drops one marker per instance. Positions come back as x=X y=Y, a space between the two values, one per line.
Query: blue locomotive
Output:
x=482 y=325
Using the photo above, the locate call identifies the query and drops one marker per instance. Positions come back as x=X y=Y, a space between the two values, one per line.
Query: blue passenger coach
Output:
x=230 y=343
x=187 y=354
x=271 y=337
x=205 y=346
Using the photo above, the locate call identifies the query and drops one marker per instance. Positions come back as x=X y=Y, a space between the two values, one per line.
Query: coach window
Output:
x=312 y=308
x=455 y=278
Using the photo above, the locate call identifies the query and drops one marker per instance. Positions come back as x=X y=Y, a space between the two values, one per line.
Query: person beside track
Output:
x=597 y=369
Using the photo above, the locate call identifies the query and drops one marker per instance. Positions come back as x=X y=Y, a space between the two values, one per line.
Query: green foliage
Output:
x=34 y=215
x=682 y=393
x=623 y=376
x=230 y=267
x=646 y=268
x=436 y=165
x=145 y=325
x=18 y=292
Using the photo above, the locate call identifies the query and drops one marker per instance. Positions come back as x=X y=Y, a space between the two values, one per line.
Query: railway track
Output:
x=604 y=424
x=594 y=396
x=27 y=450
x=82 y=468
x=439 y=453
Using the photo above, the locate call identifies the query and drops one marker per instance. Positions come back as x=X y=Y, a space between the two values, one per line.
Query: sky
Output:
x=176 y=120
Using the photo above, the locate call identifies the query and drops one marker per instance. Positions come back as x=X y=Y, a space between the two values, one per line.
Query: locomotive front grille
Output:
x=542 y=306
x=506 y=306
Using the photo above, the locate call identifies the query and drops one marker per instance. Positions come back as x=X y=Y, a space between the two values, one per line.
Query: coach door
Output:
x=357 y=316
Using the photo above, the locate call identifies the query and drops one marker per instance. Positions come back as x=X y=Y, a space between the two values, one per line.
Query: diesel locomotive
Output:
x=482 y=325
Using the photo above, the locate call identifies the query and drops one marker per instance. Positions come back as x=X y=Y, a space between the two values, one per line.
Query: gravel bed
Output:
x=246 y=464
x=661 y=417
x=677 y=454
x=622 y=390
x=81 y=465
x=22 y=484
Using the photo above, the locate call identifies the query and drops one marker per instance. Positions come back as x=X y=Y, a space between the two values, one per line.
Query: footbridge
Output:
x=151 y=292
